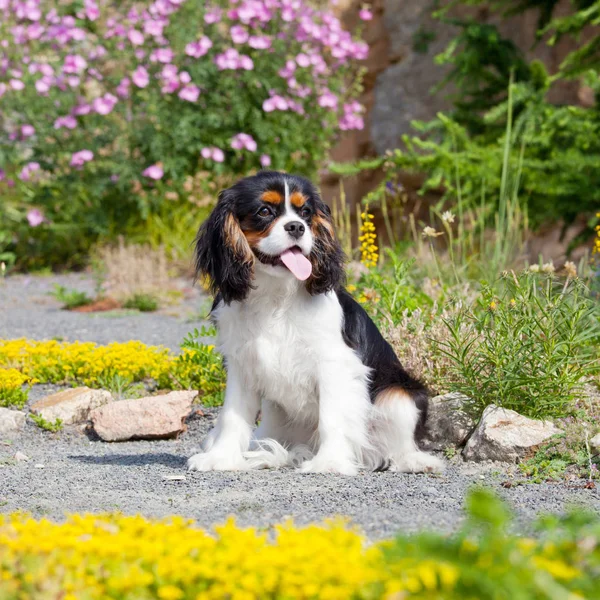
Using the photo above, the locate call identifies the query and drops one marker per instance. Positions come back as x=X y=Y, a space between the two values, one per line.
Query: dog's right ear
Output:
x=223 y=253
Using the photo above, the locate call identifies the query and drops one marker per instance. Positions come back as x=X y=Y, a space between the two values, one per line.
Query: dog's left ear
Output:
x=223 y=253
x=327 y=257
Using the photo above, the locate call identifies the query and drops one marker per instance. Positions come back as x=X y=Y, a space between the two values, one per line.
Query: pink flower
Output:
x=104 y=104
x=243 y=140
x=27 y=170
x=78 y=159
x=265 y=160
x=91 y=10
x=238 y=34
x=35 y=217
x=16 y=84
x=154 y=172
x=82 y=109
x=140 y=77
x=199 y=48
x=246 y=63
x=162 y=55
x=123 y=87
x=189 y=93
x=259 y=42
x=215 y=153
x=74 y=63
x=153 y=27
x=365 y=14
x=135 y=37
x=27 y=130
x=303 y=60
x=212 y=16
x=328 y=100
x=185 y=77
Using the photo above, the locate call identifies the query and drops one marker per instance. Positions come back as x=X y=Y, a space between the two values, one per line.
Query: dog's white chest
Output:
x=276 y=353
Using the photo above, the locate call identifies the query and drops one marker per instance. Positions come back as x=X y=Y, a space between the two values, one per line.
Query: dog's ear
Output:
x=327 y=257
x=222 y=252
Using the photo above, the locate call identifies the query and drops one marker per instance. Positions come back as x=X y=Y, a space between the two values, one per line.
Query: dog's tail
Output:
x=270 y=454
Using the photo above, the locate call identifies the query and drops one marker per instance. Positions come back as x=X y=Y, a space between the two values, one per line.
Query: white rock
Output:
x=174 y=477
x=71 y=406
x=153 y=417
x=11 y=421
x=505 y=435
x=448 y=423
x=20 y=457
x=39 y=466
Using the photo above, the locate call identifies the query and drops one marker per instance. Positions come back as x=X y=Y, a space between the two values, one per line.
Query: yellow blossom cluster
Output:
x=597 y=240
x=92 y=557
x=24 y=360
x=369 y=253
x=11 y=382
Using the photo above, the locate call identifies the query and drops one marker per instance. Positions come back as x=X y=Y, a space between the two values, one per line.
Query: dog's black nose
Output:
x=295 y=229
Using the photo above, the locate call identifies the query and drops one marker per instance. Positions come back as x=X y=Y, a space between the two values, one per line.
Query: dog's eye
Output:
x=304 y=212
x=264 y=212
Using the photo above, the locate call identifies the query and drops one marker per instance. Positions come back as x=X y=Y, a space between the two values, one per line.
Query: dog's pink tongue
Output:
x=297 y=263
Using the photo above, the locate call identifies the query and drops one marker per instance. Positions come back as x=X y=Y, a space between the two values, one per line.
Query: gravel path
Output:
x=28 y=310
x=79 y=473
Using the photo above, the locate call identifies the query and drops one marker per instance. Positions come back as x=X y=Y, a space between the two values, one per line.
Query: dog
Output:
x=298 y=349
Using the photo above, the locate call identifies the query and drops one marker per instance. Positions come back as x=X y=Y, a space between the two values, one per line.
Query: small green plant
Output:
x=70 y=298
x=52 y=426
x=527 y=344
x=200 y=367
x=142 y=302
x=13 y=397
x=121 y=387
x=388 y=292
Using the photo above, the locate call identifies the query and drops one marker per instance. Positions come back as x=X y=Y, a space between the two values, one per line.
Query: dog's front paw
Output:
x=213 y=461
x=417 y=462
x=328 y=465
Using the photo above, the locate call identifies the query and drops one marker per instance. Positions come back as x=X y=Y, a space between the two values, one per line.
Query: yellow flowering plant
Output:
x=29 y=361
x=369 y=252
x=90 y=557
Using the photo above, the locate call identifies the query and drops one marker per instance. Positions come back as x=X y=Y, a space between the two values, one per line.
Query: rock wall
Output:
x=401 y=73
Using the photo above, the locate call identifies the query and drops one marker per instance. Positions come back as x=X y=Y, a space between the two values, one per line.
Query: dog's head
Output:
x=273 y=222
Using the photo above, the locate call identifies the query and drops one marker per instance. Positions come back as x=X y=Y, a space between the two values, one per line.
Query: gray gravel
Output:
x=28 y=310
x=82 y=474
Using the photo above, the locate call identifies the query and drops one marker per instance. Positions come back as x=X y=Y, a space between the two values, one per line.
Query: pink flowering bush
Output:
x=108 y=109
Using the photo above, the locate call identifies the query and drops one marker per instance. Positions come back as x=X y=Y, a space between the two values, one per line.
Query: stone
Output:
x=11 y=421
x=448 y=422
x=153 y=417
x=505 y=435
x=20 y=457
x=71 y=406
x=595 y=444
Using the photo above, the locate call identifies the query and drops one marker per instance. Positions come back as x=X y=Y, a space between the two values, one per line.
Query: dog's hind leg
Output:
x=395 y=419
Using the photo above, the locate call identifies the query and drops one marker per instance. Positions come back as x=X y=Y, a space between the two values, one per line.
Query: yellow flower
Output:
x=368 y=240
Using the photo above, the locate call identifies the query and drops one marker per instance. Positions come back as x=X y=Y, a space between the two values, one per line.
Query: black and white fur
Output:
x=332 y=395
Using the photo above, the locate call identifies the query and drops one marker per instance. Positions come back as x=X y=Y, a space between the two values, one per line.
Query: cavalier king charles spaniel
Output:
x=299 y=351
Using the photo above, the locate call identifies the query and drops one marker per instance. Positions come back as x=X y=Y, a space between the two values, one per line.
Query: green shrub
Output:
x=70 y=298
x=52 y=426
x=142 y=302
x=199 y=367
x=117 y=111
x=527 y=344
x=13 y=397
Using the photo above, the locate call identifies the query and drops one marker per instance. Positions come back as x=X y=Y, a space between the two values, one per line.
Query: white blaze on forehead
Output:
x=288 y=202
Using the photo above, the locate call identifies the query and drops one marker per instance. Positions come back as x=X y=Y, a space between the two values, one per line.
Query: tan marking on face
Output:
x=320 y=221
x=298 y=199
x=272 y=197
x=254 y=237
x=392 y=395
x=236 y=240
